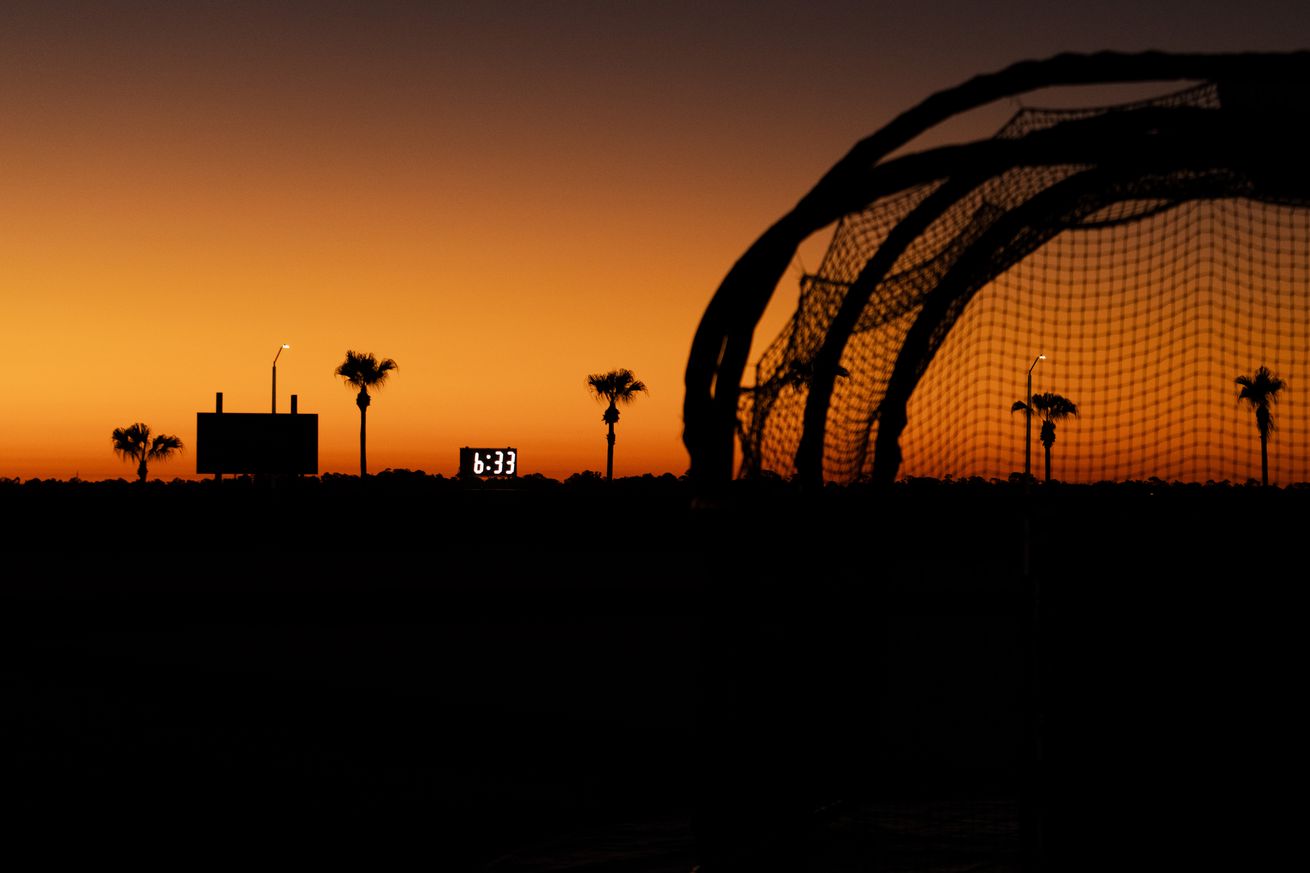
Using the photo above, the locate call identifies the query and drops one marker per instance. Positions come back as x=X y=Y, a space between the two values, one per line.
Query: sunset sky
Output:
x=503 y=197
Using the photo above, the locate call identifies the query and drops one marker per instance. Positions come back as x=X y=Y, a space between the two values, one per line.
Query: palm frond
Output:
x=616 y=386
x=1018 y=406
x=163 y=447
x=364 y=370
x=1260 y=389
x=1053 y=407
x=1264 y=420
x=630 y=393
x=385 y=368
x=1260 y=393
x=130 y=443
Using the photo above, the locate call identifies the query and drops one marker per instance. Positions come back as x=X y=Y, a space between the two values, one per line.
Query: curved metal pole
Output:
x=1002 y=246
x=723 y=337
x=1130 y=134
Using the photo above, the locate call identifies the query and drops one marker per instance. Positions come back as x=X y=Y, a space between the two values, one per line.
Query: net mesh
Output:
x=1147 y=307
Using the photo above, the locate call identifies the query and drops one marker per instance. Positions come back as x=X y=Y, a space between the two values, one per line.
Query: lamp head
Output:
x=288 y=345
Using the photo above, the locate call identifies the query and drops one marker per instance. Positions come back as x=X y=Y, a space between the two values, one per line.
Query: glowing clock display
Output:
x=488 y=462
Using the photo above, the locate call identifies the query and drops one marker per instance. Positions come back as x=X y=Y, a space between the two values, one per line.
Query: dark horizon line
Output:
x=585 y=476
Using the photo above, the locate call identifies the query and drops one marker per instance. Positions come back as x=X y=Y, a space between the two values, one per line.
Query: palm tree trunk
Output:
x=609 y=455
x=1264 y=460
x=362 y=400
x=1048 y=463
x=141 y=470
x=363 y=419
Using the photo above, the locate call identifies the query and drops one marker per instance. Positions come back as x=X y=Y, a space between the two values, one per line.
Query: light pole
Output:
x=1028 y=421
x=275 y=357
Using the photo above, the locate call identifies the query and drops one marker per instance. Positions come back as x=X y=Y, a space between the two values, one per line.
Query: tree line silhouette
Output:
x=360 y=372
x=1259 y=391
x=363 y=370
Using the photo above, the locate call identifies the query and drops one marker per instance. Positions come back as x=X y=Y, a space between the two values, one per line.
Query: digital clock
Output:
x=488 y=462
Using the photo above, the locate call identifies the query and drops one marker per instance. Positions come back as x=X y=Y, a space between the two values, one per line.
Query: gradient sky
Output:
x=503 y=197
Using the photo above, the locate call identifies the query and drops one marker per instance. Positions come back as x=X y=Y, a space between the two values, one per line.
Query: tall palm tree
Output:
x=616 y=386
x=1050 y=408
x=1260 y=393
x=134 y=443
x=363 y=371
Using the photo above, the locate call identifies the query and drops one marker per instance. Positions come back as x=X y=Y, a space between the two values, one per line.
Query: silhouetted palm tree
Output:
x=134 y=443
x=1261 y=392
x=1050 y=408
x=616 y=386
x=363 y=371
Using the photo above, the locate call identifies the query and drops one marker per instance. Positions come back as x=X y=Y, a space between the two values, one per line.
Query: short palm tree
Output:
x=1050 y=408
x=134 y=443
x=616 y=386
x=1260 y=393
x=363 y=371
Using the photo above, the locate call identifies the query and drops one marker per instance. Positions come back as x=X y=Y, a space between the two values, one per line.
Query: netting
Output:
x=1147 y=293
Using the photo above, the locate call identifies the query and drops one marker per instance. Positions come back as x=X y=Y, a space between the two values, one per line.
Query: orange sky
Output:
x=501 y=197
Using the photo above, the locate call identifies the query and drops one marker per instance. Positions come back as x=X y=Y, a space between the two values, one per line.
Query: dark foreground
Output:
x=551 y=677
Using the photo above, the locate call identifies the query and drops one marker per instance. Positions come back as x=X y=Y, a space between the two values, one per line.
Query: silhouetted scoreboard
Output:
x=488 y=462
x=256 y=442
